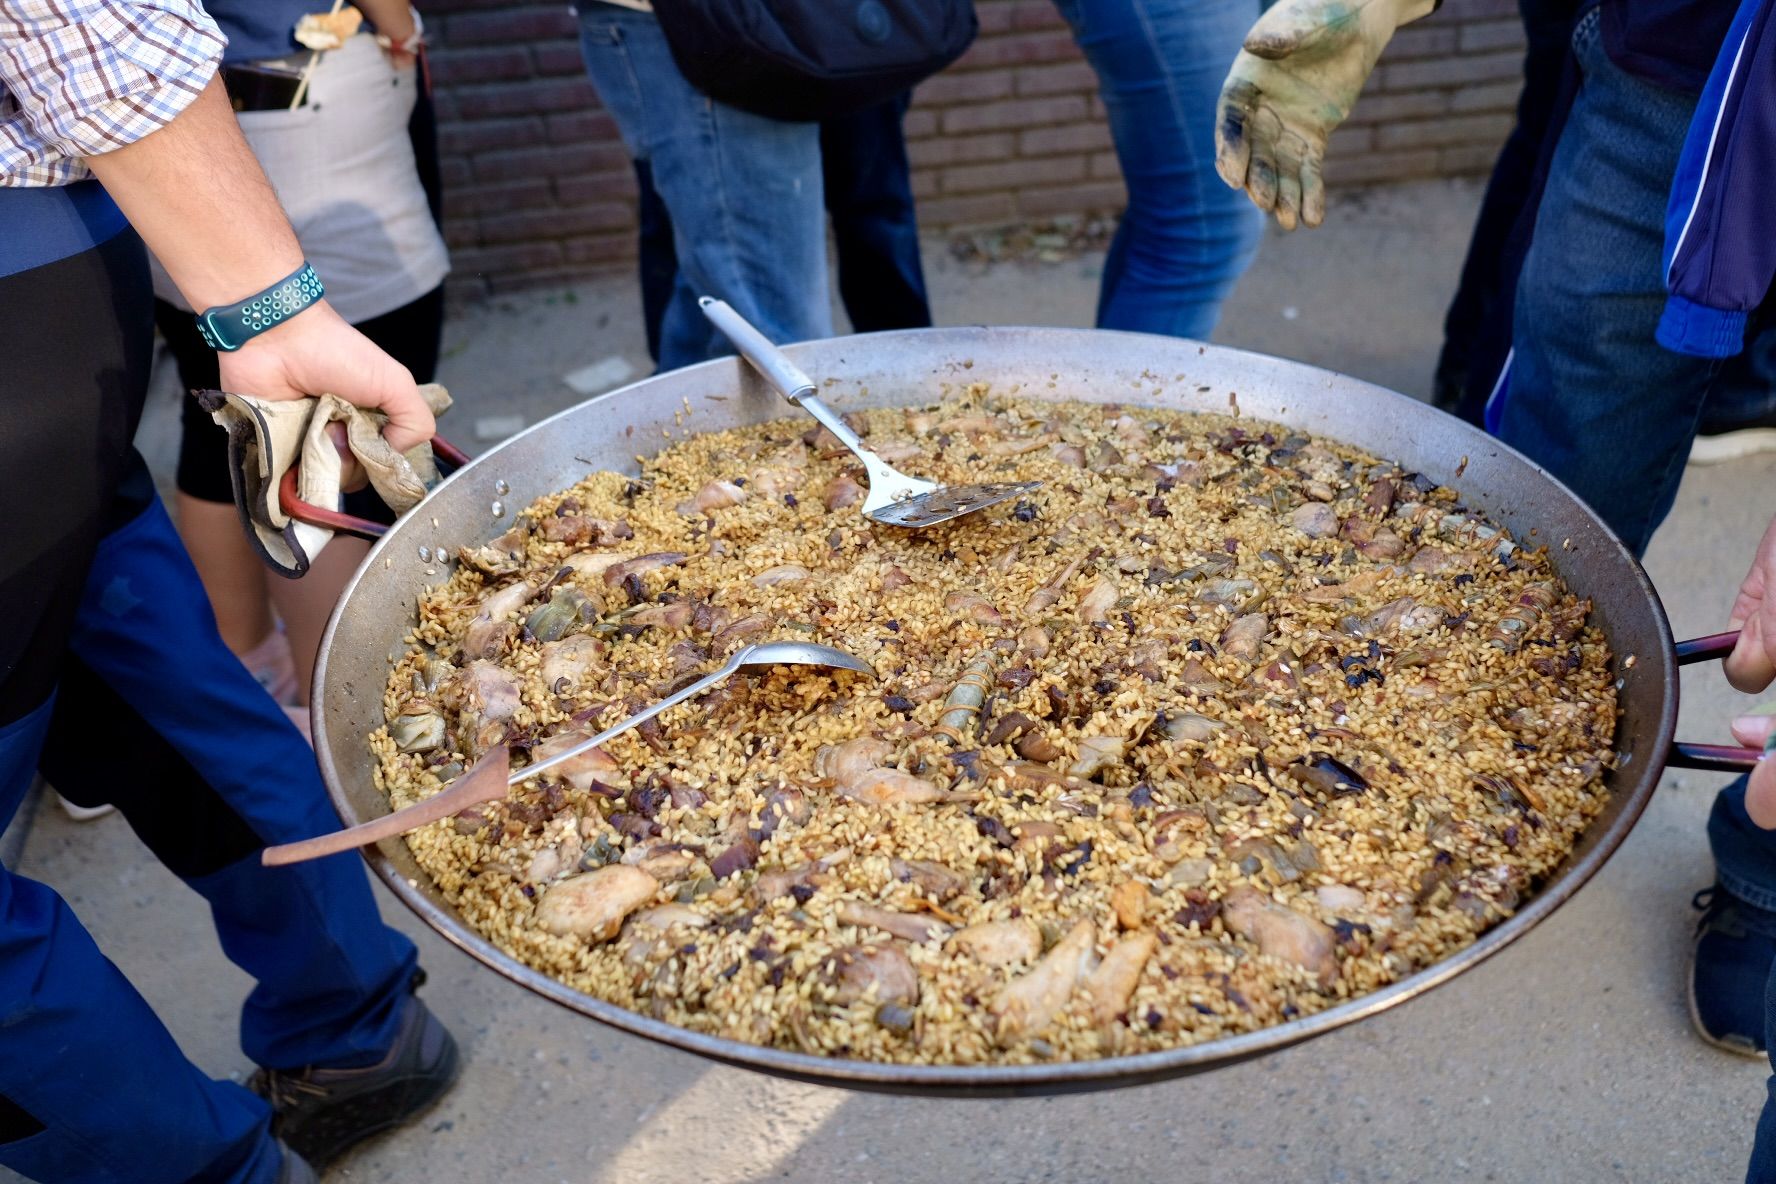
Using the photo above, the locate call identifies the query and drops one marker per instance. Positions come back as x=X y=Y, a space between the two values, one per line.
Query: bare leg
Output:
x=306 y=604
x=233 y=576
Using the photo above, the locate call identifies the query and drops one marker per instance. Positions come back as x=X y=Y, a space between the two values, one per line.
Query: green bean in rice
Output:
x=1221 y=726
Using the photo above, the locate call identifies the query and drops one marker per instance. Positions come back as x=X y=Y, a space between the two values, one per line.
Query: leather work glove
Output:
x=1301 y=69
x=266 y=437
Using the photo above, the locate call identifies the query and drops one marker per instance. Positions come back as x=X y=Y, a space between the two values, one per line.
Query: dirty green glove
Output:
x=1302 y=67
x=266 y=437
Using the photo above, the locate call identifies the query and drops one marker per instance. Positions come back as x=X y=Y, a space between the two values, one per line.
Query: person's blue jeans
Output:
x=1186 y=237
x=155 y=714
x=1589 y=394
x=743 y=191
x=869 y=196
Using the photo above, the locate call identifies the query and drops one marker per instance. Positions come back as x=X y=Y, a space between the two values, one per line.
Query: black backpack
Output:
x=807 y=60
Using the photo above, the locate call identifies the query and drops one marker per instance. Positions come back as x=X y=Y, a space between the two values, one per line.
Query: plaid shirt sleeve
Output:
x=81 y=78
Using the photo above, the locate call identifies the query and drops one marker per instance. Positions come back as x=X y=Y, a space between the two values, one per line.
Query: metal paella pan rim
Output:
x=911 y=368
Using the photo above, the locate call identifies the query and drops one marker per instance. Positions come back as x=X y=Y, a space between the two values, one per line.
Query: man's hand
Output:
x=316 y=353
x=1303 y=65
x=1751 y=667
x=199 y=199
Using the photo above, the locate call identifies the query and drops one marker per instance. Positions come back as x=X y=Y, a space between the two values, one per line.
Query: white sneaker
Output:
x=1712 y=450
x=81 y=813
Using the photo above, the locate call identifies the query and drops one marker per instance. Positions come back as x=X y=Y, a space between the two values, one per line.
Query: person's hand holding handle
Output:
x=227 y=238
x=1752 y=666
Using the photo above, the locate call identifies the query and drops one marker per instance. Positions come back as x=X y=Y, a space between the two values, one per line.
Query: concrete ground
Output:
x=1567 y=1058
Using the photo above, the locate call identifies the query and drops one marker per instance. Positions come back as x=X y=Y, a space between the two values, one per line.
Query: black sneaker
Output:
x=1729 y=966
x=323 y=1112
x=295 y=1169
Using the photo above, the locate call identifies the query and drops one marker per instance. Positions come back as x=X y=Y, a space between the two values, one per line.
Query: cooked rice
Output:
x=1468 y=727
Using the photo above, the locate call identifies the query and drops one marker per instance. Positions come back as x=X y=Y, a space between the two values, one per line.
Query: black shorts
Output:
x=76 y=340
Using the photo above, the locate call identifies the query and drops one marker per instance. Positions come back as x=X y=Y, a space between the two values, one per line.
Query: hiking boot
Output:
x=1729 y=966
x=322 y=1112
x=295 y=1169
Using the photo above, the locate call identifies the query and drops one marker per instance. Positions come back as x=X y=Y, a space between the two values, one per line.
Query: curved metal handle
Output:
x=756 y=348
x=1715 y=758
x=293 y=505
x=1703 y=649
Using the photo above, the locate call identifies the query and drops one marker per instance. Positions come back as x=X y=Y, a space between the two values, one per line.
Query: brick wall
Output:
x=540 y=189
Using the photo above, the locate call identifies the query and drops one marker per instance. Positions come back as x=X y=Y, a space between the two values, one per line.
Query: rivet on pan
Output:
x=501 y=488
x=425 y=554
x=498 y=508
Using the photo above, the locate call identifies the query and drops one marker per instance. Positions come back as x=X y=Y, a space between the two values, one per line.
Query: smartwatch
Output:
x=227 y=327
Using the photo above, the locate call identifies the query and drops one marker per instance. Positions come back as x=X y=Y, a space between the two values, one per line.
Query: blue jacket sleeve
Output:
x=1720 y=243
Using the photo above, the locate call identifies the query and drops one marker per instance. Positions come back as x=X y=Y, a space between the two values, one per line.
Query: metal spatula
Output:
x=488 y=779
x=894 y=498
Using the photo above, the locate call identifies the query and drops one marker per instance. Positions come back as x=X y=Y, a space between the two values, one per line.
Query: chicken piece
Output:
x=579 y=530
x=915 y=927
x=592 y=905
x=999 y=943
x=491 y=625
x=1128 y=900
x=878 y=972
x=640 y=565
x=714 y=495
x=593 y=765
x=934 y=879
x=798 y=881
x=783 y=573
x=1096 y=753
x=566 y=662
x=1098 y=600
x=1316 y=520
x=855 y=770
x=725 y=638
x=841 y=491
x=891 y=787
x=665 y=862
x=1281 y=932
x=647 y=930
x=589 y=566
x=1244 y=638
x=484 y=692
x=1115 y=979
x=975 y=608
x=1029 y=1004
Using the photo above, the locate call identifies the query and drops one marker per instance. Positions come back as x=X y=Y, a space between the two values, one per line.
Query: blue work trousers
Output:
x=154 y=714
x=1185 y=237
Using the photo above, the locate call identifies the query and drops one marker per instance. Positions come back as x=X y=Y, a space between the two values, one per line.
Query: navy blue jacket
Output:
x=1720 y=241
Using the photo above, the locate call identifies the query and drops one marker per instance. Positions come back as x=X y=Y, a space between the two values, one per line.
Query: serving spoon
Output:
x=894 y=498
x=489 y=778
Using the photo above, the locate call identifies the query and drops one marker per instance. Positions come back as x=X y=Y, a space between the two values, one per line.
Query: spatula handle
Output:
x=484 y=782
x=756 y=348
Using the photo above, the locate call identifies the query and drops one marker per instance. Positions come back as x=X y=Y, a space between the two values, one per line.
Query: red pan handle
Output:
x=293 y=505
x=1714 y=758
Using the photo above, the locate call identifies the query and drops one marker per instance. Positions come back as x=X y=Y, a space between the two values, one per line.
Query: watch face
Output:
x=214 y=334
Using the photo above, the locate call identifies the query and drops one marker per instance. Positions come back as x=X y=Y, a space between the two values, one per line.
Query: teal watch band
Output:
x=227 y=327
